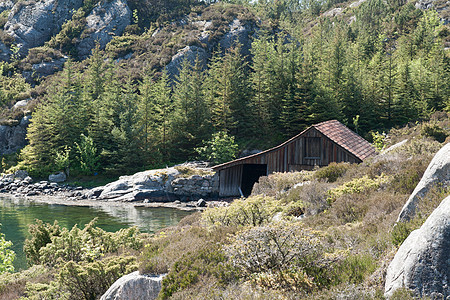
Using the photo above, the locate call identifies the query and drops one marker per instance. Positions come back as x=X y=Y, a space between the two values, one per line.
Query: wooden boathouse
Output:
x=318 y=145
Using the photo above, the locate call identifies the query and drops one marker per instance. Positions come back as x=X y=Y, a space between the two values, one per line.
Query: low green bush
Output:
x=51 y=245
x=358 y=185
x=6 y=255
x=281 y=255
x=434 y=131
x=332 y=172
x=254 y=211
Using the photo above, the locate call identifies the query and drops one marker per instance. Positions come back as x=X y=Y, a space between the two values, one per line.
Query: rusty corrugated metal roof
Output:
x=347 y=139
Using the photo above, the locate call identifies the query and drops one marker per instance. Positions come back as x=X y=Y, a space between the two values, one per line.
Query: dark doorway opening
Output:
x=250 y=175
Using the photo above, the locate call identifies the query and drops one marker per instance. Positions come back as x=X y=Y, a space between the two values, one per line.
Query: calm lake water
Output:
x=16 y=214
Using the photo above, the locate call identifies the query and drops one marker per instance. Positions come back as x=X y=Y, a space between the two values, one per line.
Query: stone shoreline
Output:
x=144 y=189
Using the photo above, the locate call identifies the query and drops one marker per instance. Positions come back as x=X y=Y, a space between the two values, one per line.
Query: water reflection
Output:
x=17 y=213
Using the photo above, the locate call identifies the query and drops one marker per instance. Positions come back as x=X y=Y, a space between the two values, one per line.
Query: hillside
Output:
x=145 y=84
x=322 y=234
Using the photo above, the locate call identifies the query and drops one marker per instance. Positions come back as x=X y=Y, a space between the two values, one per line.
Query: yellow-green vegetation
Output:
x=287 y=241
x=186 y=171
x=357 y=186
x=72 y=264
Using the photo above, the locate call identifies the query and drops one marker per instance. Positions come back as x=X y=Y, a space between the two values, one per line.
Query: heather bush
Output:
x=6 y=255
x=434 y=131
x=277 y=184
x=189 y=254
x=51 y=245
x=282 y=255
x=255 y=210
x=311 y=197
x=332 y=172
x=358 y=185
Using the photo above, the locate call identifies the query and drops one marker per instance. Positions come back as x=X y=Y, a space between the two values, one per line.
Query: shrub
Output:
x=281 y=255
x=434 y=131
x=311 y=197
x=332 y=172
x=219 y=149
x=276 y=184
x=91 y=280
x=6 y=255
x=40 y=235
x=357 y=185
x=255 y=211
x=88 y=159
x=87 y=244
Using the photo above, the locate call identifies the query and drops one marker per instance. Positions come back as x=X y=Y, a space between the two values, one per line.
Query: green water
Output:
x=16 y=214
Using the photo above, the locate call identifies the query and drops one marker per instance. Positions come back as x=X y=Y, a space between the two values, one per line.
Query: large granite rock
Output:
x=134 y=286
x=12 y=138
x=189 y=53
x=5 y=52
x=32 y=23
x=107 y=19
x=438 y=172
x=140 y=186
x=238 y=33
x=6 y=5
x=442 y=8
x=422 y=263
x=57 y=177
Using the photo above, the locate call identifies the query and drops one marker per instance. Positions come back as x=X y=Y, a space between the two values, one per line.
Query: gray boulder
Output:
x=422 y=263
x=438 y=171
x=12 y=138
x=5 y=52
x=442 y=8
x=32 y=23
x=238 y=33
x=107 y=19
x=6 y=5
x=57 y=177
x=140 y=185
x=189 y=53
x=134 y=286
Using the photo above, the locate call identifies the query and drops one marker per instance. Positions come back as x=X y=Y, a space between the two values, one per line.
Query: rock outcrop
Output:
x=239 y=33
x=107 y=19
x=161 y=185
x=422 y=263
x=438 y=172
x=32 y=23
x=12 y=138
x=6 y=5
x=189 y=53
x=134 y=286
x=442 y=8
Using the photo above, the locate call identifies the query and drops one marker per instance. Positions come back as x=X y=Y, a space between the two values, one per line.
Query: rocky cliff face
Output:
x=107 y=19
x=12 y=138
x=32 y=23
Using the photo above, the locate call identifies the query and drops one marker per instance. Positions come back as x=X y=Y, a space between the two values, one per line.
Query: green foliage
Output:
x=87 y=155
x=378 y=140
x=77 y=245
x=219 y=149
x=435 y=132
x=61 y=159
x=40 y=235
x=332 y=172
x=286 y=256
x=6 y=255
x=358 y=185
x=91 y=280
x=254 y=211
x=402 y=230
